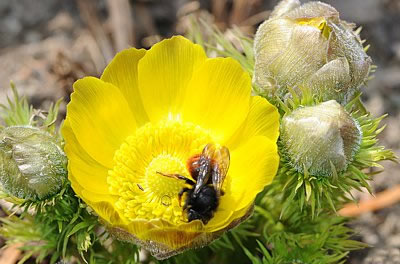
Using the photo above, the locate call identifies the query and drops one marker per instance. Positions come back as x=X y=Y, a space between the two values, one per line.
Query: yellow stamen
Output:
x=164 y=147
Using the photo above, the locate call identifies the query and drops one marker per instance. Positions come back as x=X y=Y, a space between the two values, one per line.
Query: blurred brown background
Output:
x=45 y=45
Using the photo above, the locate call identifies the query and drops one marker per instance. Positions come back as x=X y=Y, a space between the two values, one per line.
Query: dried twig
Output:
x=220 y=13
x=88 y=12
x=242 y=9
x=122 y=23
x=255 y=19
x=188 y=8
x=146 y=20
x=382 y=200
x=11 y=254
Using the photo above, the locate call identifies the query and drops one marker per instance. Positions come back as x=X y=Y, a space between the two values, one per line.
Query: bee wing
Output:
x=220 y=168
x=204 y=164
x=209 y=151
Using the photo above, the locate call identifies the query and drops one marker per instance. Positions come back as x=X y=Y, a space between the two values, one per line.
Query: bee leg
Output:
x=180 y=194
x=178 y=177
x=185 y=206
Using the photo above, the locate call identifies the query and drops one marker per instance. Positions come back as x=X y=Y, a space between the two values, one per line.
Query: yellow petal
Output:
x=100 y=118
x=262 y=120
x=218 y=97
x=102 y=204
x=253 y=166
x=82 y=168
x=172 y=237
x=85 y=171
x=92 y=197
x=104 y=208
x=175 y=238
x=160 y=238
x=222 y=217
x=74 y=184
x=168 y=239
x=123 y=73
x=164 y=74
x=221 y=220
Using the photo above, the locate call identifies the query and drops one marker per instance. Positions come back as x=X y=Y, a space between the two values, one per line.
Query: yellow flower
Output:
x=148 y=114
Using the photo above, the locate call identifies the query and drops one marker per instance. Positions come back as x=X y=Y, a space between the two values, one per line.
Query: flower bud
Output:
x=32 y=165
x=308 y=46
x=317 y=137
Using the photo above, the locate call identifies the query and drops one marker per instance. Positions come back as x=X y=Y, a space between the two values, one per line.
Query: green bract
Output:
x=32 y=165
x=324 y=149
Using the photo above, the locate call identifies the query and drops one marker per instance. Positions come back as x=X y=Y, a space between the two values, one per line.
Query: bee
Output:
x=209 y=170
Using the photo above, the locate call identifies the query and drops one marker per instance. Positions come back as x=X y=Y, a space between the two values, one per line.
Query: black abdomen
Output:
x=203 y=205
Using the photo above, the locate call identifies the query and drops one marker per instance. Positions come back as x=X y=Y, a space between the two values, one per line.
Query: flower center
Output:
x=167 y=164
x=144 y=193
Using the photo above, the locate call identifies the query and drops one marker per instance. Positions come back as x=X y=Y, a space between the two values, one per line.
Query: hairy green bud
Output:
x=317 y=137
x=32 y=165
x=309 y=46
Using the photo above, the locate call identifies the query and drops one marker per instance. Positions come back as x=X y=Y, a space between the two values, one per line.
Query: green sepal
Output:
x=319 y=192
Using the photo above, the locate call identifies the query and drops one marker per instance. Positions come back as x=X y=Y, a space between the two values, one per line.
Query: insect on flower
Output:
x=209 y=169
x=139 y=153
